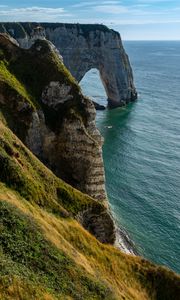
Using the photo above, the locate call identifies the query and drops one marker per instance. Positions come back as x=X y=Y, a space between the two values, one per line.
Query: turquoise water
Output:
x=142 y=151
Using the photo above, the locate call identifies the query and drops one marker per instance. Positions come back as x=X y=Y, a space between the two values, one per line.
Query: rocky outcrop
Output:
x=99 y=223
x=84 y=47
x=50 y=115
x=73 y=151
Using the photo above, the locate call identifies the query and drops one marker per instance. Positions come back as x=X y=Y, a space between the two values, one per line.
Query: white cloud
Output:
x=84 y=4
x=111 y=9
x=176 y=9
x=92 y=3
x=141 y=5
x=131 y=10
x=109 y=12
x=34 y=13
x=152 y=1
x=111 y=2
x=33 y=9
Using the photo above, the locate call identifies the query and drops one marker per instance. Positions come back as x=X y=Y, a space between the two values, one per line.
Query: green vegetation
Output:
x=45 y=254
x=32 y=70
x=29 y=256
x=15 y=101
x=37 y=68
x=24 y=173
x=11 y=81
x=24 y=74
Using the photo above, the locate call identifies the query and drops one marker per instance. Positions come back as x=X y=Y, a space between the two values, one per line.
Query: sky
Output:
x=134 y=19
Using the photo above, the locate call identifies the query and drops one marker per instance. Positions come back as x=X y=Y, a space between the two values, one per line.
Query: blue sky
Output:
x=134 y=19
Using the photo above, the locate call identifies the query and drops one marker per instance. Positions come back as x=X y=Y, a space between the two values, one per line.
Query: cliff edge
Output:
x=53 y=238
x=84 y=47
x=45 y=108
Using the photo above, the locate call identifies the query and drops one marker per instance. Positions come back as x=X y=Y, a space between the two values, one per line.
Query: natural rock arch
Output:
x=84 y=47
x=92 y=86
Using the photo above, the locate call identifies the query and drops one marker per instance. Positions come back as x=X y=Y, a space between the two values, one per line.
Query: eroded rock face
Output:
x=98 y=49
x=73 y=151
x=84 y=47
x=56 y=93
x=99 y=223
x=59 y=127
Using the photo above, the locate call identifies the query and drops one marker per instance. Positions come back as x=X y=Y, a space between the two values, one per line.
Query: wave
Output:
x=124 y=242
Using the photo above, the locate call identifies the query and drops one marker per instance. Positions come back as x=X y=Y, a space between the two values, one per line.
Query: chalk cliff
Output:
x=84 y=47
x=45 y=253
x=51 y=116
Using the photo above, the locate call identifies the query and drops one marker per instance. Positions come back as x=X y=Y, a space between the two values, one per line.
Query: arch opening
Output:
x=92 y=86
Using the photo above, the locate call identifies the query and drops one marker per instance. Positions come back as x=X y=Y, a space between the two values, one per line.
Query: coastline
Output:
x=124 y=242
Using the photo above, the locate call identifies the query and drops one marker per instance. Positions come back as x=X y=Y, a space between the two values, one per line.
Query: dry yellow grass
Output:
x=102 y=269
x=45 y=254
x=102 y=261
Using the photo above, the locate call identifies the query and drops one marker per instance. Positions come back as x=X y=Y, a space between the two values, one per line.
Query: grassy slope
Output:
x=44 y=251
x=46 y=254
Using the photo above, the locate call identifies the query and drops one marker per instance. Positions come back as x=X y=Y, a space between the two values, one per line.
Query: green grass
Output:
x=40 y=240
x=45 y=62
x=24 y=74
x=16 y=103
x=26 y=253
x=12 y=81
x=44 y=252
x=37 y=68
x=23 y=172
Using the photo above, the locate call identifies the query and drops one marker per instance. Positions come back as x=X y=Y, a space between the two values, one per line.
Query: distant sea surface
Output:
x=142 y=151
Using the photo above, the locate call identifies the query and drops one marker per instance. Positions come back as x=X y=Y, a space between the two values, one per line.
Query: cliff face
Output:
x=46 y=109
x=44 y=252
x=84 y=47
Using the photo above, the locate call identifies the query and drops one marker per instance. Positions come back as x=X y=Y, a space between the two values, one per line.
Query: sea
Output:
x=142 y=151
